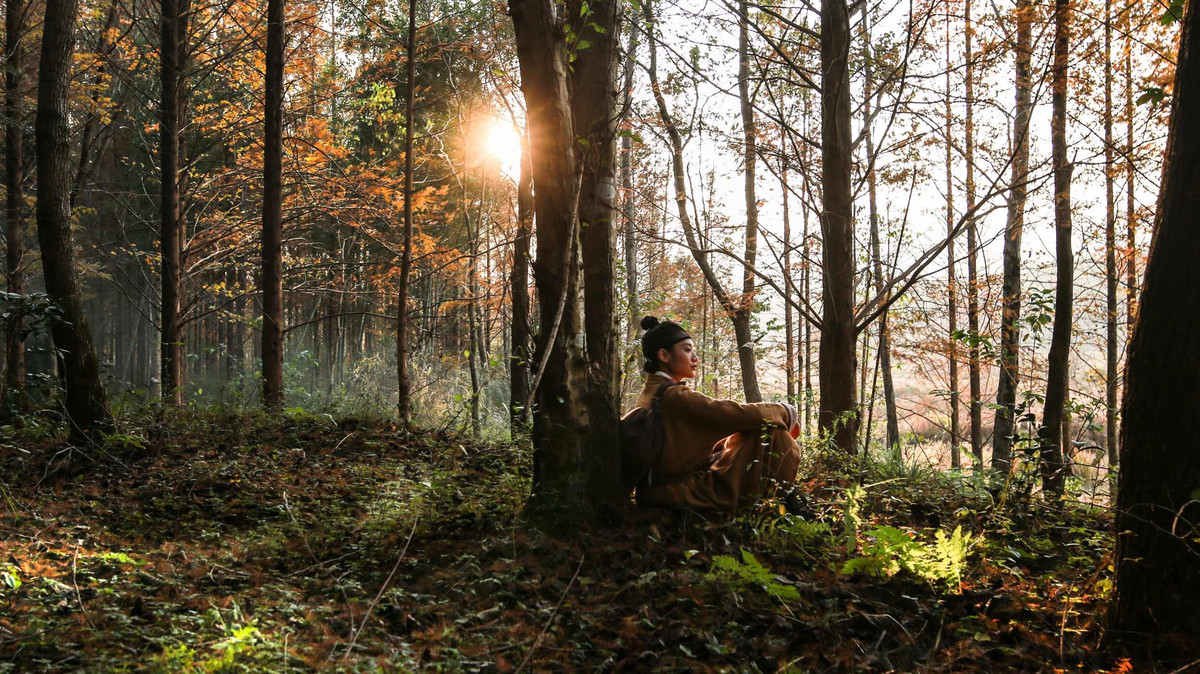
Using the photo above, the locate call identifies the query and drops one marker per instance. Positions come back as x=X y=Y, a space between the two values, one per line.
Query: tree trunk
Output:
x=1110 y=247
x=976 y=403
x=1004 y=427
x=404 y=408
x=518 y=368
x=172 y=54
x=951 y=281
x=570 y=477
x=1157 y=514
x=838 y=416
x=789 y=366
x=1130 y=204
x=1058 y=378
x=86 y=404
x=631 y=278
x=746 y=355
x=14 y=358
x=595 y=95
x=272 y=234
x=885 y=349
x=732 y=309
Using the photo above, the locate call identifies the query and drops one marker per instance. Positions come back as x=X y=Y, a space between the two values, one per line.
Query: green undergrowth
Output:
x=217 y=542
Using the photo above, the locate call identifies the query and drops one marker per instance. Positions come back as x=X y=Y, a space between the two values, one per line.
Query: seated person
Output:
x=718 y=455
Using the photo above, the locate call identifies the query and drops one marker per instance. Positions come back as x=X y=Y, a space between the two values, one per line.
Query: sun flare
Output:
x=504 y=144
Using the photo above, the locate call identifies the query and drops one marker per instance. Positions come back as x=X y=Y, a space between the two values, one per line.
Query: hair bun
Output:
x=649 y=322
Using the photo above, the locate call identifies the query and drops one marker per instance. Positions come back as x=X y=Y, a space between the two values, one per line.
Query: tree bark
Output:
x=1158 y=513
x=1111 y=376
x=86 y=404
x=1004 y=426
x=518 y=369
x=404 y=405
x=789 y=366
x=630 y=232
x=745 y=311
x=1058 y=377
x=885 y=350
x=272 y=234
x=173 y=52
x=973 y=369
x=14 y=76
x=951 y=281
x=731 y=308
x=574 y=474
x=838 y=415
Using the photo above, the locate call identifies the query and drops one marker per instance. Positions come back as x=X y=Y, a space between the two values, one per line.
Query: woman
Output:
x=718 y=455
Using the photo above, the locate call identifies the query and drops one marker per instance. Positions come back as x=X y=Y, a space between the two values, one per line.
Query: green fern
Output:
x=891 y=550
x=750 y=572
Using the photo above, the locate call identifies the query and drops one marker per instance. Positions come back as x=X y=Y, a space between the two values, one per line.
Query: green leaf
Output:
x=1173 y=13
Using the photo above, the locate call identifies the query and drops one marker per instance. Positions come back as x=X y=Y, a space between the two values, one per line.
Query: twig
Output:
x=388 y=581
x=288 y=507
x=552 y=614
x=1186 y=667
x=78 y=596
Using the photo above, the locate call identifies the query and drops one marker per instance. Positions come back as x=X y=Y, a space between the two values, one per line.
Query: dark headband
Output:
x=659 y=335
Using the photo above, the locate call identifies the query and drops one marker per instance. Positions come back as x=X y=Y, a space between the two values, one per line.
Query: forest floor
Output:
x=230 y=542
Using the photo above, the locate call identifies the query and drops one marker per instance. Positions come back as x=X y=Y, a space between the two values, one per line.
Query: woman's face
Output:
x=681 y=360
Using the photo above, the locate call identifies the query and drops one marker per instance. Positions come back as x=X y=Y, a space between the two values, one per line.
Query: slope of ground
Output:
x=220 y=542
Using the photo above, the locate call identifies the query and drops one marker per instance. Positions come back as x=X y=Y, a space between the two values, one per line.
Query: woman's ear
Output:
x=664 y=356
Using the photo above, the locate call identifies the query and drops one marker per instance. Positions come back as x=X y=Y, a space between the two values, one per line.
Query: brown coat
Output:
x=719 y=445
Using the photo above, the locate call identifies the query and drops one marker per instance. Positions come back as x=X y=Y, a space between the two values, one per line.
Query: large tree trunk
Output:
x=575 y=451
x=1057 y=378
x=1158 y=513
x=14 y=358
x=951 y=281
x=1130 y=202
x=272 y=234
x=838 y=414
x=404 y=408
x=1004 y=426
x=595 y=96
x=518 y=369
x=86 y=404
x=976 y=403
x=172 y=54
x=745 y=344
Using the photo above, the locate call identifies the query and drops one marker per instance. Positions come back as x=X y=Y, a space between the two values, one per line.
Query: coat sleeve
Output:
x=724 y=417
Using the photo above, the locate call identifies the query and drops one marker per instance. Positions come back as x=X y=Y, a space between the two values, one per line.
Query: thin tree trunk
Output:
x=1158 y=557
x=789 y=367
x=272 y=234
x=806 y=285
x=86 y=404
x=14 y=76
x=746 y=355
x=172 y=54
x=732 y=309
x=473 y=351
x=1110 y=246
x=1058 y=377
x=951 y=281
x=1004 y=428
x=838 y=416
x=1130 y=205
x=630 y=232
x=976 y=403
x=404 y=408
x=518 y=368
x=885 y=349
